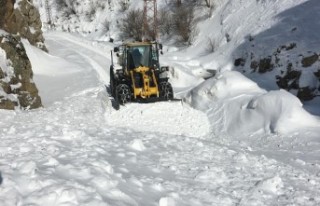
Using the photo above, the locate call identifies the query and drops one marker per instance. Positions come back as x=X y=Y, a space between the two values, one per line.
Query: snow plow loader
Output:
x=137 y=76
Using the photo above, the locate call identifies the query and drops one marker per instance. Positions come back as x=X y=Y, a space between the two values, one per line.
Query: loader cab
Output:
x=136 y=55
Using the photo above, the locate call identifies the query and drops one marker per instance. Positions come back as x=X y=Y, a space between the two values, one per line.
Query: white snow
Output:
x=229 y=142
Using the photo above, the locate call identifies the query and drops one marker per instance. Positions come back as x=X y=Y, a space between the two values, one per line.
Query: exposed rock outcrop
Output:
x=18 y=19
x=16 y=86
x=22 y=18
x=310 y=60
x=295 y=72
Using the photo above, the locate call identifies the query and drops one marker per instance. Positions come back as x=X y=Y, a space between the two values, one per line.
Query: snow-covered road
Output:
x=78 y=150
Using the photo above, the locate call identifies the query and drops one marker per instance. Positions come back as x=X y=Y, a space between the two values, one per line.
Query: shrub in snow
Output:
x=165 y=22
x=184 y=25
x=228 y=38
x=106 y=25
x=211 y=45
x=131 y=25
x=124 y=5
x=68 y=7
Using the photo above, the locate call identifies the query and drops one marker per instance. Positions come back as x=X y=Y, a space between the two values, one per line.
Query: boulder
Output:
x=310 y=60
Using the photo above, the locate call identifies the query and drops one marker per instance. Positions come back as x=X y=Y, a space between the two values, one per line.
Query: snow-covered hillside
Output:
x=231 y=141
x=274 y=43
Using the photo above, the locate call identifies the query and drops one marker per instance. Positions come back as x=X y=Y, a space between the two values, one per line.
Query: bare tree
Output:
x=106 y=25
x=165 y=22
x=61 y=4
x=67 y=7
x=184 y=23
x=124 y=5
x=131 y=25
x=211 y=45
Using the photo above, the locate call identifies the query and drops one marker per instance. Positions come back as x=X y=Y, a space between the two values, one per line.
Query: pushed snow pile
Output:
x=237 y=106
x=228 y=85
x=181 y=79
x=163 y=117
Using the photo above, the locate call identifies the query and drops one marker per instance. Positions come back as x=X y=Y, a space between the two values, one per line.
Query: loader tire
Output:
x=166 y=91
x=123 y=94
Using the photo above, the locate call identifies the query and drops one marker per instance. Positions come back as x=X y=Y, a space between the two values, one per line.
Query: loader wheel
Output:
x=123 y=93
x=166 y=91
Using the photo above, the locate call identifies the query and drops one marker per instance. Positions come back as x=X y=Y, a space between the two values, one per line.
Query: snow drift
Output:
x=237 y=106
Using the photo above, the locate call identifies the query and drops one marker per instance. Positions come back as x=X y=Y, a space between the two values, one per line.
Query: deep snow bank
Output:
x=237 y=106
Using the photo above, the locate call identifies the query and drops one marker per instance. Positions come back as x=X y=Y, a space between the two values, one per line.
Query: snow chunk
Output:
x=28 y=168
x=51 y=162
x=6 y=66
x=271 y=185
x=3 y=33
x=137 y=144
x=15 y=86
x=166 y=201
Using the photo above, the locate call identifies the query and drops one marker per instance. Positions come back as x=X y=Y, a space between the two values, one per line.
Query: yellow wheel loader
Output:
x=137 y=76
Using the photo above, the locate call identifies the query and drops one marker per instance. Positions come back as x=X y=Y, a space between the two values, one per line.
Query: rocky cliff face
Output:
x=286 y=54
x=298 y=73
x=17 y=88
x=22 y=18
x=18 y=19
